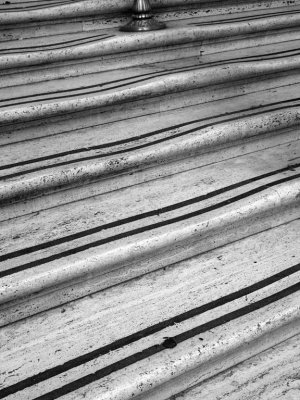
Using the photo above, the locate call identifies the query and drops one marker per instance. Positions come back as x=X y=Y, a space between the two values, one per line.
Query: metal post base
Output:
x=143 y=25
x=142 y=19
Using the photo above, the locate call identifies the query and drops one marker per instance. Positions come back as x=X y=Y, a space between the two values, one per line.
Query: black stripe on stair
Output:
x=147 y=76
x=156 y=132
x=142 y=146
x=148 y=214
x=83 y=91
x=146 y=228
x=59 y=369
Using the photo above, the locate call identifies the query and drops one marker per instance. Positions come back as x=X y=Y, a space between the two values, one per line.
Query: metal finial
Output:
x=142 y=18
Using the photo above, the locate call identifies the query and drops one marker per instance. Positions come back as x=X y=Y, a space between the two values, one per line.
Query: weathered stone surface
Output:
x=149 y=193
x=265 y=260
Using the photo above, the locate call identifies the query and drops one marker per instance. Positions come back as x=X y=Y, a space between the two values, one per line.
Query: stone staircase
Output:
x=149 y=221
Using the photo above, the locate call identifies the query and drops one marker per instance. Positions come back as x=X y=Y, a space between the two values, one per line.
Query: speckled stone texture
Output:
x=149 y=201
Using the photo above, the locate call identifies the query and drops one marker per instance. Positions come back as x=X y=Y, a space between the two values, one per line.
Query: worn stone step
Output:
x=215 y=311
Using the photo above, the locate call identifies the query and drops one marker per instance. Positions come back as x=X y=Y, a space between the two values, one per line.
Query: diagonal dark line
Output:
x=156 y=132
x=142 y=355
x=150 y=75
x=66 y=43
x=47 y=374
x=143 y=229
x=144 y=215
x=56 y=48
x=146 y=77
x=142 y=146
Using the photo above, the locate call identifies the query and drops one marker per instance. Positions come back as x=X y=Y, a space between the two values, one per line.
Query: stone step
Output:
x=215 y=311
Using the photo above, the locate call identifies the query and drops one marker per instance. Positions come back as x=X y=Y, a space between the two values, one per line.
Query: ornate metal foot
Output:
x=142 y=18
